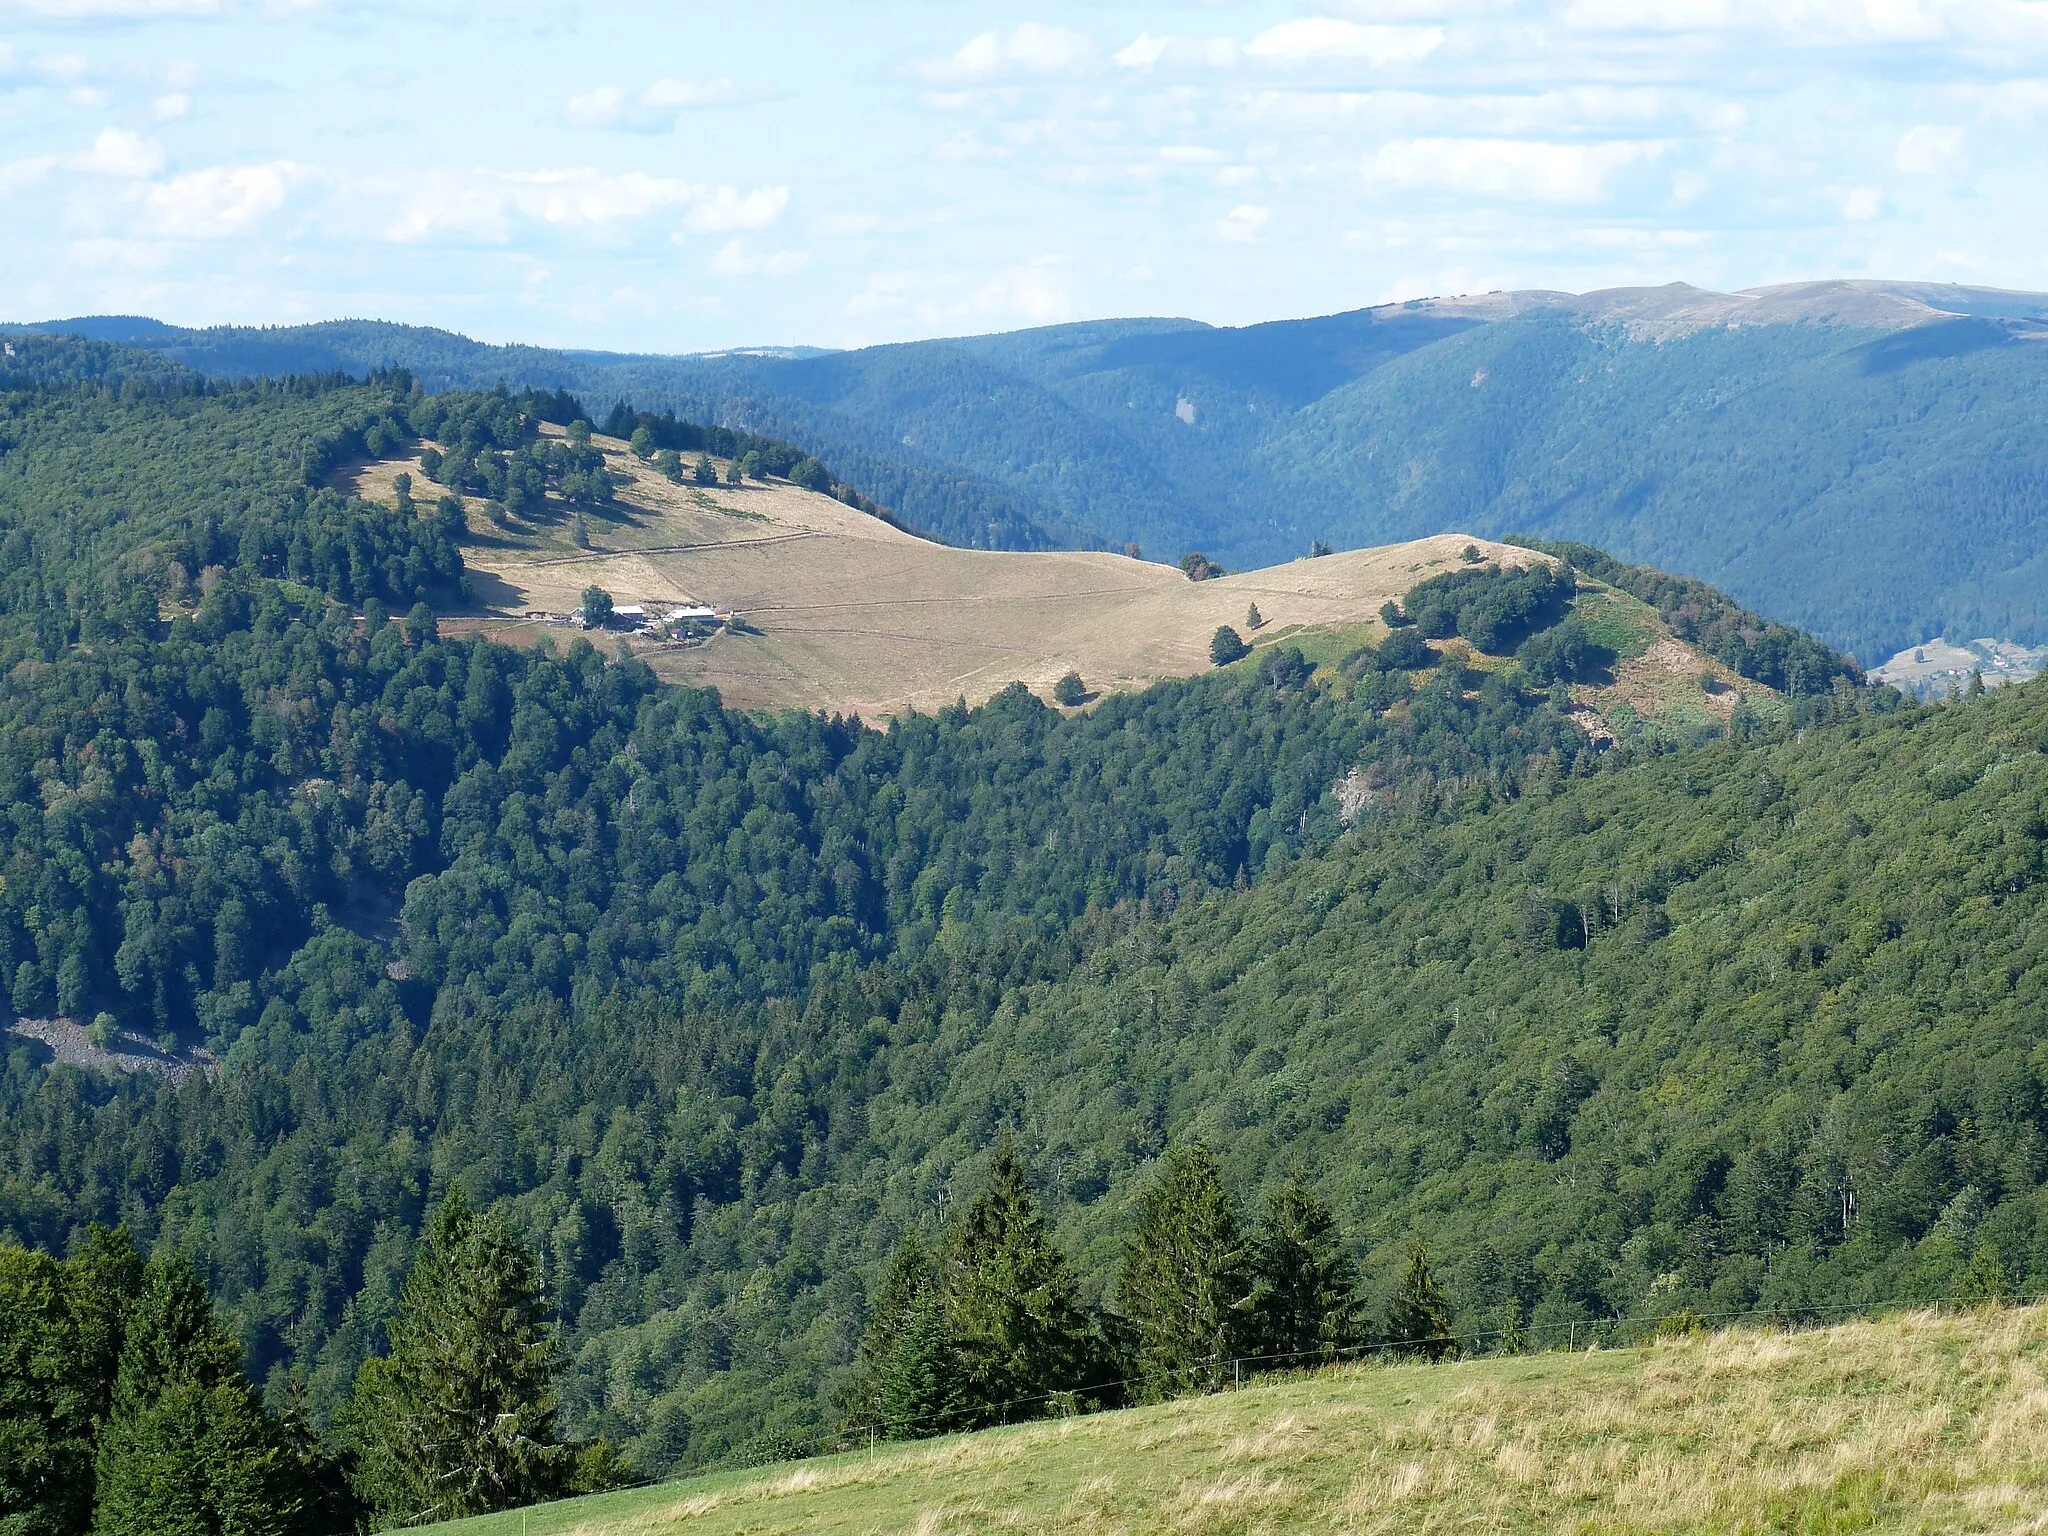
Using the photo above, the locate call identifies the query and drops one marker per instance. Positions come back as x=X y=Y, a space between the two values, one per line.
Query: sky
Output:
x=687 y=176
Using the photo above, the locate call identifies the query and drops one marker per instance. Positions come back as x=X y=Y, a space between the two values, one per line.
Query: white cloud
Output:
x=485 y=204
x=599 y=108
x=1822 y=21
x=1312 y=39
x=671 y=94
x=1148 y=52
x=222 y=201
x=735 y=260
x=1517 y=169
x=725 y=209
x=587 y=198
x=654 y=110
x=121 y=152
x=1862 y=204
x=16 y=174
x=1032 y=48
x=171 y=106
x=1030 y=294
x=1242 y=223
x=1929 y=150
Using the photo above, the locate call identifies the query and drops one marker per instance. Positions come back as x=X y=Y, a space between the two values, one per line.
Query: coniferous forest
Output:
x=670 y=1086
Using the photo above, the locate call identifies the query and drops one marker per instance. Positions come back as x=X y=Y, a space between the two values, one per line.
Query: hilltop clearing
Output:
x=847 y=613
x=1916 y=1423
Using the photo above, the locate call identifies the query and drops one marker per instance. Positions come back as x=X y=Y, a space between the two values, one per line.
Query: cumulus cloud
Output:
x=735 y=260
x=120 y=152
x=1519 y=169
x=727 y=208
x=488 y=204
x=171 y=106
x=1032 y=48
x=1146 y=51
x=1861 y=204
x=1314 y=39
x=1242 y=223
x=1929 y=150
x=222 y=201
x=1822 y=21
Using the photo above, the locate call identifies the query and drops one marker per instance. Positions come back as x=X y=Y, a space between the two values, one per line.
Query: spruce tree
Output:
x=1188 y=1277
x=921 y=1381
x=187 y=1449
x=1419 y=1319
x=459 y=1418
x=910 y=1279
x=45 y=1422
x=1013 y=1302
x=1307 y=1289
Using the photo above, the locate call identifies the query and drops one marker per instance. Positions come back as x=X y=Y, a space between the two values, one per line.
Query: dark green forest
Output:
x=707 y=1012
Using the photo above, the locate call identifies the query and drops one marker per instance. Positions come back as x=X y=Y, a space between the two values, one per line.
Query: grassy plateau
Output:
x=1918 y=1422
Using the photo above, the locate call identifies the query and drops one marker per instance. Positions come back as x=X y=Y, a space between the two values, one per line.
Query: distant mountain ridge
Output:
x=1859 y=457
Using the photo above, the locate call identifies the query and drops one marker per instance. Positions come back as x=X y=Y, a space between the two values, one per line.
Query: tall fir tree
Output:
x=61 y=1327
x=1188 y=1278
x=1013 y=1301
x=1419 y=1318
x=459 y=1418
x=187 y=1449
x=909 y=1280
x=1306 y=1294
x=922 y=1390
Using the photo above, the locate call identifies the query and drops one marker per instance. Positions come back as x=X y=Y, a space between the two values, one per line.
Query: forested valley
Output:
x=695 y=1029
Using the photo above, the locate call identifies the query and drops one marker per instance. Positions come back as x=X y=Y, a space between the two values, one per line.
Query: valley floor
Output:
x=1915 y=1423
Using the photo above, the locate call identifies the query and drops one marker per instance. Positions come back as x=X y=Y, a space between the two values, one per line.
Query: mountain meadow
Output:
x=484 y=1073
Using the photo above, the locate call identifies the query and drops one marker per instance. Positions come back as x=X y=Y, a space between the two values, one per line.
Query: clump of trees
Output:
x=1492 y=606
x=124 y=1409
x=1197 y=566
x=989 y=1327
x=1226 y=646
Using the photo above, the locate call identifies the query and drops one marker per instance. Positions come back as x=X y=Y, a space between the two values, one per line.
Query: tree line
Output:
x=989 y=1326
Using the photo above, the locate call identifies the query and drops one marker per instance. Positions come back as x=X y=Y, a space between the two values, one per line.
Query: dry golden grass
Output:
x=857 y=616
x=1917 y=1423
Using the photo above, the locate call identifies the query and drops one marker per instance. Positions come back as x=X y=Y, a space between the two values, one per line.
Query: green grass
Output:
x=1918 y=1423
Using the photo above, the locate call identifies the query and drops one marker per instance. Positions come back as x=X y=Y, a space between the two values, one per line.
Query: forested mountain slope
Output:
x=715 y=1006
x=1857 y=458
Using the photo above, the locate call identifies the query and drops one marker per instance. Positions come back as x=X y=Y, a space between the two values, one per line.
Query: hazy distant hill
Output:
x=1860 y=458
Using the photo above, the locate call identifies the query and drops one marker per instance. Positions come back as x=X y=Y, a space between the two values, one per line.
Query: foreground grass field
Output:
x=1915 y=1423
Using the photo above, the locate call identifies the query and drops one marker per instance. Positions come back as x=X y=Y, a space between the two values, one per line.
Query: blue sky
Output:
x=685 y=176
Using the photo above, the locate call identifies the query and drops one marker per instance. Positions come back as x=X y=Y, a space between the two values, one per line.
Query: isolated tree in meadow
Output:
x=1188 y=1278
x=187 y=1449
x=1253 y=619
x=706 y=472
x=1306 y=1294
x=669 y=464
x=734 y=475
x=642 y=443
x=1012 y=1299
x=1227 y=646
x=1419 y=1318
x=1069 y=690
x=459 y=1418
x=597 y=607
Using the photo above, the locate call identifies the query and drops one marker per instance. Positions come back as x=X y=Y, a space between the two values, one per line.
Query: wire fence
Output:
x=1216 y=1373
